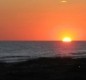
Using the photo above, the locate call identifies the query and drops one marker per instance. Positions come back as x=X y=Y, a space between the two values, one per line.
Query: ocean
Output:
x=15 y=51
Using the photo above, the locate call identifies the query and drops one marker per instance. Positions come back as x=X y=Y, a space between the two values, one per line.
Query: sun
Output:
x=63 y=1
x=67 y=39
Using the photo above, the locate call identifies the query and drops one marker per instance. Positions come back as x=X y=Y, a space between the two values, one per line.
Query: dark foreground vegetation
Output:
x=45 y=69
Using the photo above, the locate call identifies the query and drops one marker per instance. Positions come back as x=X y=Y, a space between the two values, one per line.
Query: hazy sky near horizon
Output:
x=42 y=19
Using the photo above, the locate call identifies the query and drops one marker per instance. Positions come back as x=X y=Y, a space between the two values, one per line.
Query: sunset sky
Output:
x=42 y=19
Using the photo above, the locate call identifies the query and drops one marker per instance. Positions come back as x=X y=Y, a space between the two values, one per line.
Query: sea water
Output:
x=14 y=51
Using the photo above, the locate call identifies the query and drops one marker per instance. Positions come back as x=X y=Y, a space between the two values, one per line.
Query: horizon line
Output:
x=40 y=40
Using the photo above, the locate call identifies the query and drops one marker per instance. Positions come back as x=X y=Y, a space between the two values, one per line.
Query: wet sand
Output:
x=44 y=69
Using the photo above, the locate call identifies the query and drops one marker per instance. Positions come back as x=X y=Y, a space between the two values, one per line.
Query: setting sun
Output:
x=63 y=1
x=67 y=39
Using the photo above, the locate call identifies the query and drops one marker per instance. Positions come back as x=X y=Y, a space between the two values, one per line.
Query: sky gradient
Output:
x=42 y=19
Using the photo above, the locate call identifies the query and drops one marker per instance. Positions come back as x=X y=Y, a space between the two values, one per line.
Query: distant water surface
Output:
x=14 y=51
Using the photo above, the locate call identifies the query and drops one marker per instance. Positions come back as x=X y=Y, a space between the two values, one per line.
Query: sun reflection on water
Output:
x=64 y=49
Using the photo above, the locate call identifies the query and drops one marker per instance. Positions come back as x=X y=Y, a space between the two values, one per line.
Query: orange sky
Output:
x=42 y=19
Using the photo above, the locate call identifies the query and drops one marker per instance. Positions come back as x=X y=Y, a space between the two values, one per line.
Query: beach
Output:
x=44 y=69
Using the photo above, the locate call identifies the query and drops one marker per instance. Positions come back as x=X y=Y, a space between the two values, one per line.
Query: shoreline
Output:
x=44 y=69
